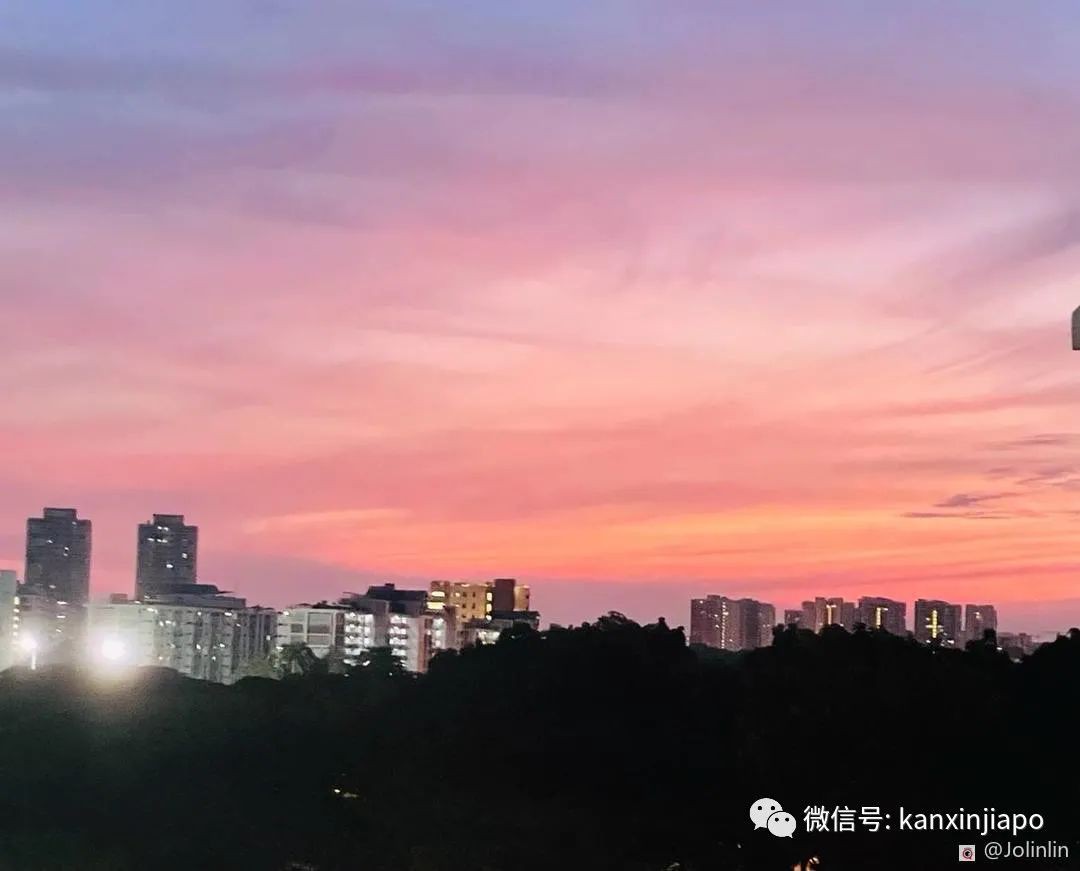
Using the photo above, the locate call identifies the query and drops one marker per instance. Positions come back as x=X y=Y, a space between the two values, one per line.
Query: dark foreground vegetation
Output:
x=610 y=746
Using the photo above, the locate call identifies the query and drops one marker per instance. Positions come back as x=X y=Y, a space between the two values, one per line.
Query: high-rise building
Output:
x=712 y=622
x=167 y=555
x=977 y=620
x=937 y=621
x=58 y=555
x=793 y=617
x=731 y=624
x=885 y=614
x=821 y=612
x=759 y=621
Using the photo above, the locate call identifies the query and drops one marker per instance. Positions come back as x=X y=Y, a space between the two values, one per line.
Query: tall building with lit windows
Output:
x=478 y=601
x=403 y=621
x=979 y=619
x=731 y=624
x=58 y=555
x=167 y=555
x=821 y=612
x=416 y=638
x=470 y=601
x=884 y=614
x=937 y=621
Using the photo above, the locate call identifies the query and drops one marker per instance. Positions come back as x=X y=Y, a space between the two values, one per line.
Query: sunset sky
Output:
x=631 y=300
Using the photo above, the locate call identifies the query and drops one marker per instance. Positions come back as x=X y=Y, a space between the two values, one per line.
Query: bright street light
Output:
x=112 y=650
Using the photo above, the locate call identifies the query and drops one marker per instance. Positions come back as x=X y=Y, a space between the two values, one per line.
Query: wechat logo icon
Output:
x=766 y=813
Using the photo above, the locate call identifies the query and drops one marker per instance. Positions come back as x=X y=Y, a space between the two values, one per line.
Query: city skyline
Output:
x=770 y=298
x=167 y=538
x=517 y=436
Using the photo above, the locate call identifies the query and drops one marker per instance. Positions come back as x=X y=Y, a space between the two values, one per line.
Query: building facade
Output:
x=406 y=622
x=821 y=612
x=321 y=627
x=731 y=624
x=383 y=617
x=470 y=601
x=367 y=626
x=52 y=628
x=508 y=595
x=937 y=621
x=884 y=614
x=58 y=555
x=167 y=555
x=478 y=601
x=416 y=638
x=207 y=643
x=979 y=619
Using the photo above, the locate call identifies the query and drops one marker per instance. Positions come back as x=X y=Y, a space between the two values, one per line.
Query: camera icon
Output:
x=967 y=853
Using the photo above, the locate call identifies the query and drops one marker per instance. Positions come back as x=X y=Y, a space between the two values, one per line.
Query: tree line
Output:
x=609 y=745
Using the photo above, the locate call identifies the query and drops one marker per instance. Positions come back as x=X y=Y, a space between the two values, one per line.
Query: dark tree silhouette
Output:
x=611 y=746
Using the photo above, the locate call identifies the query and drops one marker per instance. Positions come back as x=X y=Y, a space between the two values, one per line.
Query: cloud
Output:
x=958 y=515
x=1043 y=440
x=966 y=500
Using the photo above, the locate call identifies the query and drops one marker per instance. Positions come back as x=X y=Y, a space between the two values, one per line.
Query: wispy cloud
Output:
x=966 y=500
x=955 y=515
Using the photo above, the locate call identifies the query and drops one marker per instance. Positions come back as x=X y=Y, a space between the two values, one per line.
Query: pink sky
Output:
x=633 y=309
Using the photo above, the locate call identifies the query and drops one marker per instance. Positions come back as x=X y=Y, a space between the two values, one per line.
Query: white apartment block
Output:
x=320 y=627
x=385 y=618
x=416 y=638
x=207 y=643
x=365 y=630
